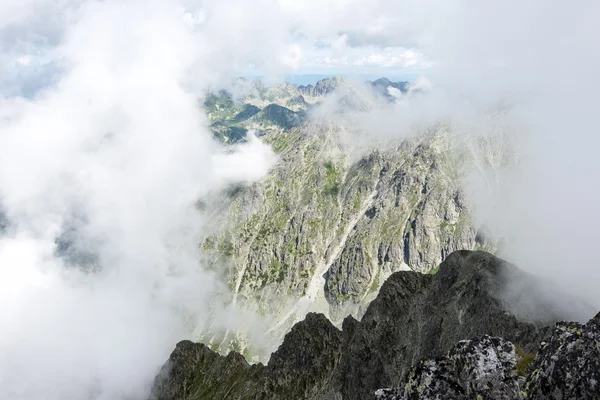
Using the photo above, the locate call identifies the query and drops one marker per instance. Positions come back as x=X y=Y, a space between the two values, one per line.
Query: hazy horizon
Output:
x=311 y=79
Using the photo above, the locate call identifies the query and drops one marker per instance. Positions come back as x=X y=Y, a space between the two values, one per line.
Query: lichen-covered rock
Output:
x=478 y=368
x=568 y=363
x=567 y=366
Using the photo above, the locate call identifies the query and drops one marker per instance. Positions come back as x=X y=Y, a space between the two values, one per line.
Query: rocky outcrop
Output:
x=483 y=368
x=297 y=103
x=196 y=372
x=274 y=114
x=323 y=87
x=414 y=317
x=567 y=365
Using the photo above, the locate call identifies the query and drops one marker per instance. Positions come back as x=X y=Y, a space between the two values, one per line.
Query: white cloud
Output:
x=392 y=58
x=361 y=60
x=120 y=142
x=293 y=57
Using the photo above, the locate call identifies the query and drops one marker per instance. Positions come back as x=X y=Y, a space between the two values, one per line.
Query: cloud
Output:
x=391 y=58
x=545 y=206
x=542 y=73
x=341 y=59
x=118 y=152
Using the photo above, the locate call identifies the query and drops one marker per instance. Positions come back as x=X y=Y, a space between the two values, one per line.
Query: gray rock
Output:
x=322 y=87
x=417 y=316
x=567 y=366
x=568 y=363
x=483 y=368
x=351 y=221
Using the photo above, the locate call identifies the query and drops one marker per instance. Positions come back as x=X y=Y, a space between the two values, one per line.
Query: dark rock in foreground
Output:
x=568 y=363
x=484 y=367
x=414 y=317
x=567 y=366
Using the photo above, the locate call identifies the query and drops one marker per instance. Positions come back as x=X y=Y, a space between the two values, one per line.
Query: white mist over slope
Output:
x=116 y=142
x=119 y=151
x=538 y=63
x=542 y=57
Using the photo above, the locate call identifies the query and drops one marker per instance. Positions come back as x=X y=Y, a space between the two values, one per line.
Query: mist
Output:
x=523 y=76
x=102 y=136
x=545 y=207
x=116 y=152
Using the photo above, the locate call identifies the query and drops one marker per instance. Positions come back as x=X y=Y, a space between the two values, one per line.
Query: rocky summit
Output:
x=450 y=335
x=484 y=367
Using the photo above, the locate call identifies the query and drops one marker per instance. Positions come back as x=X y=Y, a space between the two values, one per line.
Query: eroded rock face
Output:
x=322 y=214
x=414 y=317
x=477 y=368
x=342 y=209
x=568 y=363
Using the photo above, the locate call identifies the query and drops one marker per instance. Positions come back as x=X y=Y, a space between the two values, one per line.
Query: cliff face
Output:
x=415 y=316
x=334 y=218
x=323 y=226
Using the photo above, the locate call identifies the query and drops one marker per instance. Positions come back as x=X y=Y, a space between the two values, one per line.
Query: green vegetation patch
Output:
x=332 y=175
x=434 y=271
x=524 y=361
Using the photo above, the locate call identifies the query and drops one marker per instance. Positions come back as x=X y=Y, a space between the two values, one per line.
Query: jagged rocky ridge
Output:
x=414 y=317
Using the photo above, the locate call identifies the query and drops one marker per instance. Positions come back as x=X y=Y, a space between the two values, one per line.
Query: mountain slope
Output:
x=283 y=117
x=324 y=226
x=339 y=212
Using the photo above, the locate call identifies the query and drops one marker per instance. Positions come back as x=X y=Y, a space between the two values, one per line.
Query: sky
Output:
x=101 y=134
x=307 y=45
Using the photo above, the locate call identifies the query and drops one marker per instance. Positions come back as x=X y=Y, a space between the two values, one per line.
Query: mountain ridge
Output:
x=415 y=316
